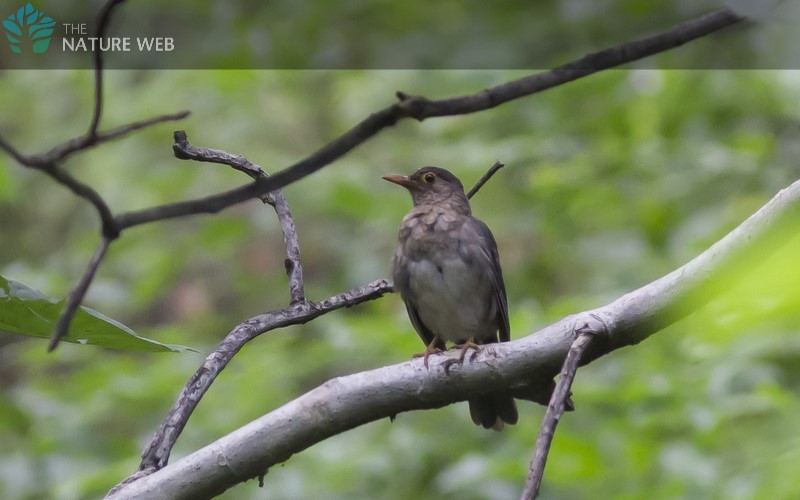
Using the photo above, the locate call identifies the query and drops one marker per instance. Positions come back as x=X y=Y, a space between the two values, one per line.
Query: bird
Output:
x=446 y=268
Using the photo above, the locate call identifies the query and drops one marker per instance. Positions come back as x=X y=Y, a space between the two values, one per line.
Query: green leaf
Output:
x=26 y=311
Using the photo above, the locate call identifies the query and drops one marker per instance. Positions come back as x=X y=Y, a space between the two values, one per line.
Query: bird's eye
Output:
x=429 y=177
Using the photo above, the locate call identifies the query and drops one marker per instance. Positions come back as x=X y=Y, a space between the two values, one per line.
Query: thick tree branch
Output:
x=421 y=108
x=347 y=402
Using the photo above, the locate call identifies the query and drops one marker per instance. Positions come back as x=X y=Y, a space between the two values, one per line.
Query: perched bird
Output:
x=447 y=270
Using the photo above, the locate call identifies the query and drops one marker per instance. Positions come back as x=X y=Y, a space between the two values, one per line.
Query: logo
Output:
x=29 y=29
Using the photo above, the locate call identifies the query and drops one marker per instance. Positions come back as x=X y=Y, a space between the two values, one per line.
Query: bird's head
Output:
x=431 y=185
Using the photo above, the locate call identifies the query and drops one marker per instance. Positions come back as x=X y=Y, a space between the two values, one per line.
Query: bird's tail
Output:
x=493 y=411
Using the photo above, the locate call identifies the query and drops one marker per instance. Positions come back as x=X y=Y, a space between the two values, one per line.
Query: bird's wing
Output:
x=425 y=334
x=402 y=285
x=477 y=242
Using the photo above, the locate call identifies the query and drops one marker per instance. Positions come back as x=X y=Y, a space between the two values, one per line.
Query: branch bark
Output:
x=347 y=402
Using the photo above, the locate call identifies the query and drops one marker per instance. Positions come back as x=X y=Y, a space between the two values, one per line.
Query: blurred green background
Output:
x=611 y=182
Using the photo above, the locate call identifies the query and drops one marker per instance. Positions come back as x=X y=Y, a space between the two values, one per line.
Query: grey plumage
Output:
x=447 y=270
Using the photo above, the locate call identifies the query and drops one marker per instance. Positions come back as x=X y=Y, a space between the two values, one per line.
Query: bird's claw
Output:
x=426 y=354
x=466 y=346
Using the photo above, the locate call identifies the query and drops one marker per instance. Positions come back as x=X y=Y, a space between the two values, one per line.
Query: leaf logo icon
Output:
x=29 y=27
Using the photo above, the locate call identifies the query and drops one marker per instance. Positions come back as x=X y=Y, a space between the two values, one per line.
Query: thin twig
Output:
x=156 y=454
x=64 y=150
x=8 y=148
x=421 y=108
x=104 y=19
x=292 y=264
x=558 y=402
x=276 y=199
x=483 y=180
x=76 y=295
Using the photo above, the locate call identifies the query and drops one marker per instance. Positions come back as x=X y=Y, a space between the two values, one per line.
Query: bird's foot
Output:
x=466 y=346
x=428 y=351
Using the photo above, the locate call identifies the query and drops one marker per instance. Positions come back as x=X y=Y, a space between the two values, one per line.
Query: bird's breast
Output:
x=425 y=232
x=453 y=300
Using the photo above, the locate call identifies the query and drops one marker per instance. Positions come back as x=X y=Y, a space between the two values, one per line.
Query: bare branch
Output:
x=421 y=108
x=156 y=454
x=586 y=65
x=116 y=133
x=276 y=199
x=292 y=264
x=185 y=151
x=76 y=295
x=558 y=402
x=102 y=27
x=347 y=402
x=483 y=180
x=8 y=148
x=64 y=150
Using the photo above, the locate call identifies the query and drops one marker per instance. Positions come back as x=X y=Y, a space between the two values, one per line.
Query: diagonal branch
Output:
x=347 y=402
x=77 y=294
x=12 y=152
x=421 y=108
x=558 y=403
x=483 y=180
x=64 y=150
x=156 y=454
